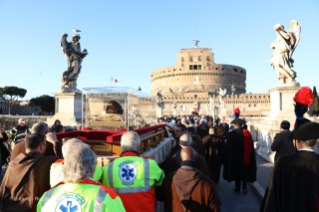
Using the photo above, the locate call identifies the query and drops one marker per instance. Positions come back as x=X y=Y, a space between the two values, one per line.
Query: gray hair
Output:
x=188 y=142
x=39 y=127
x=130 y=141
x=79 y=163
x=20 y=120
x=69 y=143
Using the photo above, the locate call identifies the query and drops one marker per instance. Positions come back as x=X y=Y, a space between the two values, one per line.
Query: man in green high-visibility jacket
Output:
x=79 y=192
x=133 y=177
x=56 y=168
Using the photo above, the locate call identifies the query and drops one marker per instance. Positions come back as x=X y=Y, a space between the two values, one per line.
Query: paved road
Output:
x=264 y=169
x=234 y=202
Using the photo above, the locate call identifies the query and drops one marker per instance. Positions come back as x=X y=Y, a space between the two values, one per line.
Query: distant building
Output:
x=196 y=77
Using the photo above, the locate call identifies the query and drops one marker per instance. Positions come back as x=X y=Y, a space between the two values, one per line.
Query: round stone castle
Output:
x=196 y=71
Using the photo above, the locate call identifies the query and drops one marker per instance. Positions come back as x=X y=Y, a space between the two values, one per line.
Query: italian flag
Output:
x=115 y=80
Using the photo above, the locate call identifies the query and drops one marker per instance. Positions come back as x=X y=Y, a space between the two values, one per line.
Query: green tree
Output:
x=47 y=103
x=10 y=95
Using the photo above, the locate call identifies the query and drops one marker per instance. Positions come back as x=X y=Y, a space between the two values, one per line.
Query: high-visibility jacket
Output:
x=56 y=173
x=134 y=179
x=87 y=195
x=19 y=133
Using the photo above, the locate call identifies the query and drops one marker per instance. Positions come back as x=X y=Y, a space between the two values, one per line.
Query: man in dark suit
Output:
x=283 y=144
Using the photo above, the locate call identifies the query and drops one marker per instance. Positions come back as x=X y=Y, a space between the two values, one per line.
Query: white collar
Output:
x=309 y=150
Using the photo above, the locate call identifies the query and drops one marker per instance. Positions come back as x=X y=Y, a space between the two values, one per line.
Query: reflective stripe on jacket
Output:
x=87 y=195
x=19 y=133
x=56 y=172
x=130 y=174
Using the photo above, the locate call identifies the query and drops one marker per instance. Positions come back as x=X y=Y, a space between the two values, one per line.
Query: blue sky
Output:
x=128 y=39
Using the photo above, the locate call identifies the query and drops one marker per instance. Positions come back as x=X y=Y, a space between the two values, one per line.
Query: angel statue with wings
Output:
x=74 y=57
x=284 y=47
x=221 y=97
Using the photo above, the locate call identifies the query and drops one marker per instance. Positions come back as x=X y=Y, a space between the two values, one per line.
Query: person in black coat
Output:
x=294 y=181
x=283 y=144
x=3 y=150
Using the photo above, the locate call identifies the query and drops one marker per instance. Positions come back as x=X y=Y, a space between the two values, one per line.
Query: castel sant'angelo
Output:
x=196 y=77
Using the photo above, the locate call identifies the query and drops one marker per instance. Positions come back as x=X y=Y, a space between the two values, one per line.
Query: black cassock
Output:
x=234 y=168
x=214 y=154
x=294 y=184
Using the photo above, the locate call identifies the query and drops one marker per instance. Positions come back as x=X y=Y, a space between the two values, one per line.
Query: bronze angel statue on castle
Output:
x=284 y=47
x=74 y=57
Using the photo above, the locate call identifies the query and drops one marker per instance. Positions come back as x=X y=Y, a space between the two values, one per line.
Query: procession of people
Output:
x=47 y=174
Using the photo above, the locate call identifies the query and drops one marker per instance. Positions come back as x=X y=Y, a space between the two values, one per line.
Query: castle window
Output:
x=216 y=68
x=198 y=58
x=207 y=58
x=208 y=63
x=228 y=69
x=235 y=70
x=223 y=69
x=191 y=59
x=241 y=71
x=195 y=67
x=182 y=64
x=183 y=59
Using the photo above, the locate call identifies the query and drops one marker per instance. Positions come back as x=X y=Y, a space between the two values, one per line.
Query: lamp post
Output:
x=233 y=89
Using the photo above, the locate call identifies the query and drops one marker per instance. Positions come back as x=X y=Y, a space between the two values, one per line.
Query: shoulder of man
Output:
x=144 y=156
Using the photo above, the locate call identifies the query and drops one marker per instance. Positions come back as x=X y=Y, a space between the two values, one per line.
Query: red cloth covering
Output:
x=247 y=147
x=105 y=135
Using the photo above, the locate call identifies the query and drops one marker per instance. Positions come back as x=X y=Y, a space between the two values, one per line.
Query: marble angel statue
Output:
x=159 y=98
x=221 y=96
x=74 y=57
x=284 y=47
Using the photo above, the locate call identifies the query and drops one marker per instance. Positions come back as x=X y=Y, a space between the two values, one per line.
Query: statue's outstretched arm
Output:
x=284 y=34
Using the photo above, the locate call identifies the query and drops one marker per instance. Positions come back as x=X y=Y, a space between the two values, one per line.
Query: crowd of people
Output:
x=46 y=174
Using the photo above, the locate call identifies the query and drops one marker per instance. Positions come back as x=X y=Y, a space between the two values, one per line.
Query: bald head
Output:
x=68 y=145
x=185 y=140
x=186 y=154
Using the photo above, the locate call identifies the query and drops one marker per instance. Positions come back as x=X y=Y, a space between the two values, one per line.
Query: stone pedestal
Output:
x=68 y=109
x=222 y=112
x=282 y=100
x=159 y=112
x=282 y=108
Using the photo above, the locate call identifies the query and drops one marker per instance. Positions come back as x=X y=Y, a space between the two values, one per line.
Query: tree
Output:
x=316 y=104
x=10 y=95
x=47 y=103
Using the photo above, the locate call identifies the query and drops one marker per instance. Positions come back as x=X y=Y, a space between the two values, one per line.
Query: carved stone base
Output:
x=68 y=109
x=64 y=89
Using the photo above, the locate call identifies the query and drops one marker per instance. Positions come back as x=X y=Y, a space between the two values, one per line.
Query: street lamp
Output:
x=233 y=89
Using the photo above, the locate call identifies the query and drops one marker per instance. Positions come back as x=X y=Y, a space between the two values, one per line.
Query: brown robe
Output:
x=25 y=181
x=51 y=150
x=214 y=154
x=172 y=163
x=188 y=190
x=200 y=145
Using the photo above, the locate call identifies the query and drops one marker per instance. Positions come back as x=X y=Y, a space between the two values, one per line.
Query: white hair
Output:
x=79 y=163
x=67 y=144
x=20 y=120
x=130 y=141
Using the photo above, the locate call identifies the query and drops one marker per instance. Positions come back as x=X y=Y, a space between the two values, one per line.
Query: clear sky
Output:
x=128 y=39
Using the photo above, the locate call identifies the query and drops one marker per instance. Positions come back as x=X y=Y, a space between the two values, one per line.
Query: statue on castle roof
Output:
x=196 y=43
